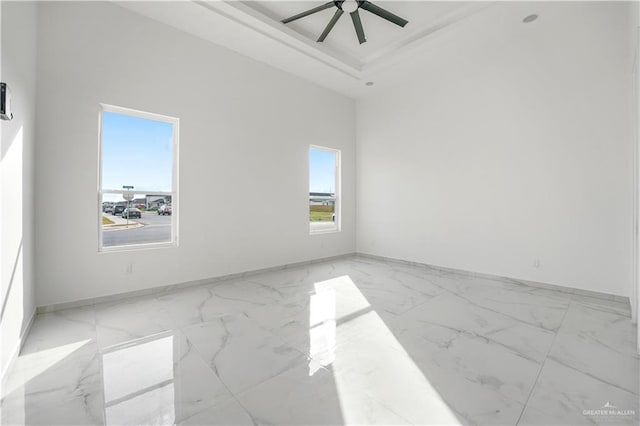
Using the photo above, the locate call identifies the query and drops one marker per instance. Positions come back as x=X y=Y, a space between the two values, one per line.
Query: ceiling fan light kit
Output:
x=351 y=7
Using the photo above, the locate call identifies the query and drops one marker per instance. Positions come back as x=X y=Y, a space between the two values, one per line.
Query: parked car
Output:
x=107 y=209
x=164 y=210
x=118 y=210
x=132 y=213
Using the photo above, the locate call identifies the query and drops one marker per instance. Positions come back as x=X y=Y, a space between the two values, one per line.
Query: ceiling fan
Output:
x=351 y=7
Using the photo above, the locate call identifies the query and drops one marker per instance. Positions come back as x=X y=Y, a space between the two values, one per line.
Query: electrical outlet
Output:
x=129 y=268
x=536 y=262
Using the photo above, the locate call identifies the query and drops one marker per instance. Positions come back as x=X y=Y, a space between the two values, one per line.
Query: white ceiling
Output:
x=391 y=53
x=382 y=36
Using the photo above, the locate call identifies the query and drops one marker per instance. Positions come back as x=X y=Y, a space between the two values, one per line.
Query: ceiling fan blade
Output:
x=330 y=25
x=309 y=12
x=384 y=14
x=357 y=24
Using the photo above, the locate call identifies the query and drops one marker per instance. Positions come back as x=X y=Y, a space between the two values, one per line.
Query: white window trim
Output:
x=338 y=190
x=174 y=179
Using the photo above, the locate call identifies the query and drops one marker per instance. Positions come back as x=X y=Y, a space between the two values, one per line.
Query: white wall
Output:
x=18 y=60
x=245 y=131
x=634 y=34
x=516 y=145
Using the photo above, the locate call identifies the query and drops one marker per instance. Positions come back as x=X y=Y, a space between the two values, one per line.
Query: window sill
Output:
x=323 y=228
x=137 y=247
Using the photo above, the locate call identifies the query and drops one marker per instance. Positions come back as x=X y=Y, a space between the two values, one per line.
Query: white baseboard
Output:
x=173 y=287
x=563 y=289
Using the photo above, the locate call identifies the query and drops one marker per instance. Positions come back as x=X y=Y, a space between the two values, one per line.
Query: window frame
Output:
x=338 y=189
x=175 y=122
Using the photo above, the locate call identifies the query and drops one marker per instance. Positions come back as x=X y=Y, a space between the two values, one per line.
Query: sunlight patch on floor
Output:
x=349 y=337
x=32 y=365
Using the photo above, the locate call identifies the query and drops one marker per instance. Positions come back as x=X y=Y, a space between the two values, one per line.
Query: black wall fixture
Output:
x=5 y=102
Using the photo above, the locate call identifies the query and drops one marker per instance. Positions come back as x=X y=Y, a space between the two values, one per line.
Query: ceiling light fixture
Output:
x=530 y=18
x=349 y=6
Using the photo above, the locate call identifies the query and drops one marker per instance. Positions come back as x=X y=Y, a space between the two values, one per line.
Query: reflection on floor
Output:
x=355 y=341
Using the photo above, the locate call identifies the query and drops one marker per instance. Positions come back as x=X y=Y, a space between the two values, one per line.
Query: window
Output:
x=324 y=190
x=138 y=179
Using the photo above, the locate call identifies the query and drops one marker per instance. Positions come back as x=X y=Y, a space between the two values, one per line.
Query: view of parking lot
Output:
x=150 y=228
x=123 y=226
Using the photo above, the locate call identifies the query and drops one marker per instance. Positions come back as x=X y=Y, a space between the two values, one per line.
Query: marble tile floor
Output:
x=351 y=341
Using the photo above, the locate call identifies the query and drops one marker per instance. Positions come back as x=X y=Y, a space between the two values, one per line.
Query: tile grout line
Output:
x=234 y=395
x=204 y=361
x=553 y=342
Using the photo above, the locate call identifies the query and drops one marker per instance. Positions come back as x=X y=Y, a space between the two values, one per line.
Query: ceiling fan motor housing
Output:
x=348 y=5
